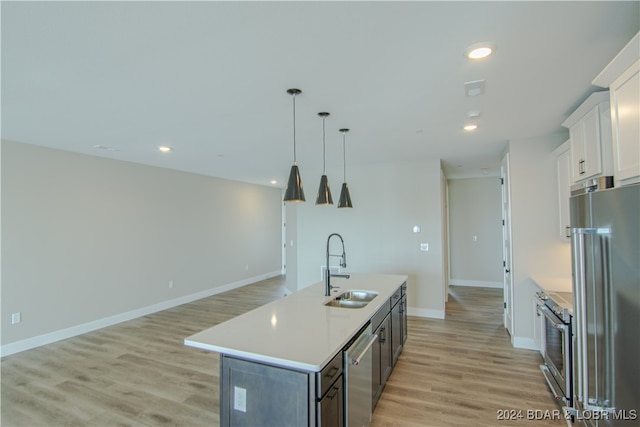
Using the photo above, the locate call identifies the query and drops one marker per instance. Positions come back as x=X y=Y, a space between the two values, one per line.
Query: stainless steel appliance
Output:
x=358 y=366
x=605 y=229
x=557 y=344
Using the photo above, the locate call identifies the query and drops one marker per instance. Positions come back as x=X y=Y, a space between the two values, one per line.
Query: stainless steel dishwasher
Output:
x=358 y=361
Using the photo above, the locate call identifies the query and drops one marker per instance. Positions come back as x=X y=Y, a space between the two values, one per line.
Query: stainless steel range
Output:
x=557 y=308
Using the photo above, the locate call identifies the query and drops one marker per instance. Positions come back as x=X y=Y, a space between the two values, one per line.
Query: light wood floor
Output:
x=459 y=371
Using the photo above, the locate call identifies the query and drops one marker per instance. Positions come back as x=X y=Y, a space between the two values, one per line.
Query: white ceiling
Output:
x=210 y=79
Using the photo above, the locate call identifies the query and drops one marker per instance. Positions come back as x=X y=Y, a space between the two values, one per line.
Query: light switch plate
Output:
x=240 y=399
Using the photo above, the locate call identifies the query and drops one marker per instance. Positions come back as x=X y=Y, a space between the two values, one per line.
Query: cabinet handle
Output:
x=331 y=372
x=335 y=391
x=382 y=335
x=581 y=169
x=567 y=231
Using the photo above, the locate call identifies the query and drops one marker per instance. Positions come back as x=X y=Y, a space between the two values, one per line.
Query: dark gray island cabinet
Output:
x=255 y=394
x=284 y=363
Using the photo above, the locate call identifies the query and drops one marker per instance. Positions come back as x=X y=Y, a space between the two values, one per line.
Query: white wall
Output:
x=537 y=248
x=87 y=238
x=389 y=199
x=475 y=210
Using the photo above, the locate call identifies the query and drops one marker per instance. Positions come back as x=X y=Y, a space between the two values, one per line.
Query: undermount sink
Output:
x=352 y=299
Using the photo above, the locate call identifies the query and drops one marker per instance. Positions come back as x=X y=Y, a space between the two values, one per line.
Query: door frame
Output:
x=507 y=246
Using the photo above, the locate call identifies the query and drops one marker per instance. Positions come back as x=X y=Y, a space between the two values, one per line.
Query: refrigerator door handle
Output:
x=582 y=374
x=582 y=336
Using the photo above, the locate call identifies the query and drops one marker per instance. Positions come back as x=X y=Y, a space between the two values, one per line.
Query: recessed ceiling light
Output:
x=165 y=149
x=470 y=127
x=479 y=50
x=273 y=181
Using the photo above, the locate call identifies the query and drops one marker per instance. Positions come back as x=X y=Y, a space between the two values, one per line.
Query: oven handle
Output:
x=543 y=309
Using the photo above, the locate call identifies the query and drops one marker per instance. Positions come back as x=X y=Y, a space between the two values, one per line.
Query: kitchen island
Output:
x=282 y=362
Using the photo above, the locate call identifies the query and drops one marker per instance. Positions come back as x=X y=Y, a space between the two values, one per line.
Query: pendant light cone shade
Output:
x=324 y=192
x=294 y=191
x=345 y=197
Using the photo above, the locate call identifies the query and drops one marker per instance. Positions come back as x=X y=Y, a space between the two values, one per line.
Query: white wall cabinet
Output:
x=625 y=117
x=590 y=136
x=563 y=171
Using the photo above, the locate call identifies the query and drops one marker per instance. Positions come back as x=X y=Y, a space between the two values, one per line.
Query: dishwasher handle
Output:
x=356 y=360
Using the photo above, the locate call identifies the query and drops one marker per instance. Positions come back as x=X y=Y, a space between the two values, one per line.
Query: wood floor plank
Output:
x=454 y=372
x=463 y=370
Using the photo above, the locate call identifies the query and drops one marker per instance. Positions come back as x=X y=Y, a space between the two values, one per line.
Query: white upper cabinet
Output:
x=563 y=170
x=622 y=77
x=590 y=136
x=625 y=117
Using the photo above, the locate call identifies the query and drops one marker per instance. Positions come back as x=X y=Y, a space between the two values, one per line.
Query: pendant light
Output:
x=294 y=192
x=345 y=197
x=324 y=192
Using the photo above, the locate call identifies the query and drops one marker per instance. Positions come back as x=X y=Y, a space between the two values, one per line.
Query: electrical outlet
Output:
x=424 y=247
x=170 y=284
x=16 y=318
x=240 y=399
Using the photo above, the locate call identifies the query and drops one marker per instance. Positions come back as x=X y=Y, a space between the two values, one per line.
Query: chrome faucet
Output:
x=343 y=263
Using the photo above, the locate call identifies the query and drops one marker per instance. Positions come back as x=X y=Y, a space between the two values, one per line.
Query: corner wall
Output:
x=536 y=246
x=89 y=240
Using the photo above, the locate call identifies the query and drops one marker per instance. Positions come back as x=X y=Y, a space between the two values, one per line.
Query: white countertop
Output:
x=557 y=284
x=298 y=331
x=558 y=288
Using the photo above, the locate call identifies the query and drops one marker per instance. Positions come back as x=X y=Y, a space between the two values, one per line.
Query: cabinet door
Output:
x=577 y=151
x=591 y=144
x=386 y=351
x=625 y=115
x=396 y=332
x=403 y=314
x=538 y=324
x=376 y=374
x=381 y=359
x=564 y=187
x=331 y=407
x=592 y=160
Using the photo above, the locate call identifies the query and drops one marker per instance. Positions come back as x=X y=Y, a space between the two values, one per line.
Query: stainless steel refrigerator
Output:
x=605 y=245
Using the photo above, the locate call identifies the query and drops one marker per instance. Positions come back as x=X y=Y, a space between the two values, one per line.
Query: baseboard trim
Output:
x=426 y=312
x=525 y=343
x=475 y=283
x=62 y=334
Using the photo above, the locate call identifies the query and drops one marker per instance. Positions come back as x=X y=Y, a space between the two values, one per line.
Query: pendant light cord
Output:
x=294 y=129
x=324 y=155
x=344 y=158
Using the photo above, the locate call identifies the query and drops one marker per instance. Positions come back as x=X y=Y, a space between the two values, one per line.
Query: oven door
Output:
x=557 y=355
